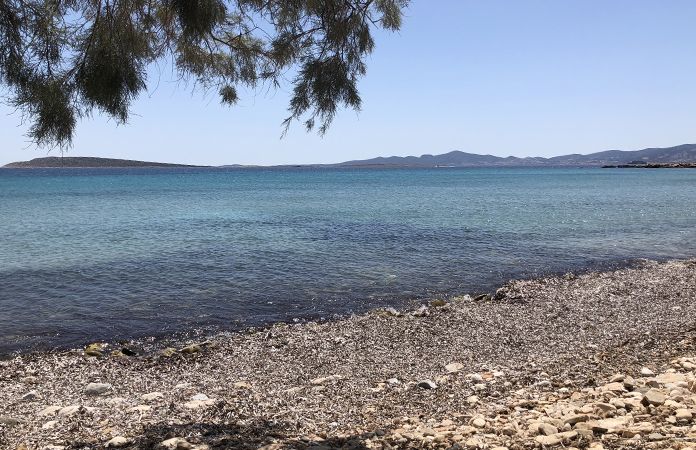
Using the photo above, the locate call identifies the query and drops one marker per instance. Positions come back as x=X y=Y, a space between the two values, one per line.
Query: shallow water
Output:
x=117 y=254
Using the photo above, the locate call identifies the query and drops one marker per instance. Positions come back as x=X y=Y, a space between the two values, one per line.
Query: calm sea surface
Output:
x=116 y=254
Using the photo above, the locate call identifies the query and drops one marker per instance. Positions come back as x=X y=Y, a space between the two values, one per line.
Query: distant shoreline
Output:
x=653 y=166
x=84 y=162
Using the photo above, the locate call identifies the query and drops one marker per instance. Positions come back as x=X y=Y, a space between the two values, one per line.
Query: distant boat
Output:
x=444 y=165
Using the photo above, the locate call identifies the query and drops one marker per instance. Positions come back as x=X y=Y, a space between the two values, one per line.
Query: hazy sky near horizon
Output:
x=499 y=77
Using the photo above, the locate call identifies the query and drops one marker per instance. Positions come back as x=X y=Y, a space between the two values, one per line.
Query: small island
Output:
x=84 y=162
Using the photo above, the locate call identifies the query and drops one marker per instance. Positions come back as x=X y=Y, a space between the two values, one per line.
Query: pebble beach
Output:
x=600 y=360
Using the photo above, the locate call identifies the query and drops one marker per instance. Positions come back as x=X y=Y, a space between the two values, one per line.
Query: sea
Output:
x=152 y=254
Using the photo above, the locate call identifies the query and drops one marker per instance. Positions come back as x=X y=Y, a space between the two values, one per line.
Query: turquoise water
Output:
x=118 y=254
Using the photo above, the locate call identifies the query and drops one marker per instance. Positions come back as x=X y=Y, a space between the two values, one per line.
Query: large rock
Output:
x=654 y=397
x=97 y=388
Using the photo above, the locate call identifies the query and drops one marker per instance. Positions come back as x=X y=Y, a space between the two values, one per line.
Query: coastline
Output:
x=336 y=384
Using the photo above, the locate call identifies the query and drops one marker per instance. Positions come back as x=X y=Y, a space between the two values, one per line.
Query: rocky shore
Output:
x=601 y=360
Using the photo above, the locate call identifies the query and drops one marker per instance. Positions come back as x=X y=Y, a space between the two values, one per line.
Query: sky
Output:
x=521 y=78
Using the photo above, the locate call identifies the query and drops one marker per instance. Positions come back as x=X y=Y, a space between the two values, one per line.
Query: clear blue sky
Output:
x=522 y=78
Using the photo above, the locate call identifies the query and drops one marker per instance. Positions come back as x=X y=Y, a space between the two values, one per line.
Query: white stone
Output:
x=49 y=425
x=479 y=423
x=201 y=397
x=454 y=367
x=50 y=410
x=646 y=372
x=141 y=408
x=68 y=410
x=97 y=388
x=152 y=396
x=170 y=444
x=118 y=441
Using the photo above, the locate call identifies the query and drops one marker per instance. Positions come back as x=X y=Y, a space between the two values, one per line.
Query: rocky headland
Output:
x=603 y=360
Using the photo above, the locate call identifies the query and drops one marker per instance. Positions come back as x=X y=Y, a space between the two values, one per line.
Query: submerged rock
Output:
x=191 y=349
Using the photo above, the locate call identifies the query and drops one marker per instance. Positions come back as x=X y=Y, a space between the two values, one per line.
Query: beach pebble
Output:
x=68 y=410
x=50 y=410
x=11 y=420
x=97 y=388
x=629 y=383
x=454 y=367
x=427 y=384
x=141 y=408
x=323 y=380
x=200 y=397
x=29 y=396
x=575 y=418
x=547 y=429
x=683 y=415
x=509 y=430
x=656 y=437
x=474 y=377
x=49 y=425
x=646 y=372
x=152 y=396
x=548 y=440
x=118 y=441
x=479 y=423
x=28 y=380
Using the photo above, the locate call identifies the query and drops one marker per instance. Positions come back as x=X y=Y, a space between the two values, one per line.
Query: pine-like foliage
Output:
x=61 y=60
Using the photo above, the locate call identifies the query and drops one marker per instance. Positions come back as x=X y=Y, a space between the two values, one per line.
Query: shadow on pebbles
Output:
x=601 y=360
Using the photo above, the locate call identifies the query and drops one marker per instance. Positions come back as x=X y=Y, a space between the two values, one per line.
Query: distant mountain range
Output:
x=76 y=162
x=680 y=154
